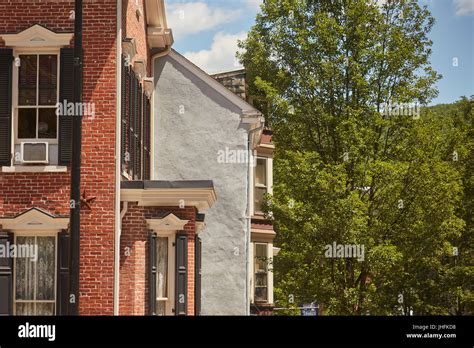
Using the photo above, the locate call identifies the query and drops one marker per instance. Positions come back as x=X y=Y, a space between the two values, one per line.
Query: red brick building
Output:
x=139 y=244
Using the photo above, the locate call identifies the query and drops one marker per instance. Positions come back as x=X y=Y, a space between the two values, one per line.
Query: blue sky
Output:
x=206 y=32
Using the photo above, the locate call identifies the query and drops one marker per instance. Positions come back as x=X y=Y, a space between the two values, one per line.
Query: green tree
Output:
x=345 y=171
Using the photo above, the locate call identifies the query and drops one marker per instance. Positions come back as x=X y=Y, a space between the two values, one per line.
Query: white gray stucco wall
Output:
x=192 y=124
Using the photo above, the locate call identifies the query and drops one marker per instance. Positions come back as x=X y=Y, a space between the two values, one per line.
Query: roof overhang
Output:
x=200 y=194
x=158 y=33
x=35 y=219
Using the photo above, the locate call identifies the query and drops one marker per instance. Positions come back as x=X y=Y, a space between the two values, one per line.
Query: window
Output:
x=261 y=184
x=164 y=275
x=37 y=97
x=35 y=280
x=261 y=272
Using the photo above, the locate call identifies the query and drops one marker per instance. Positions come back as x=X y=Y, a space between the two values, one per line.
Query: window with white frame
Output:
x=36 y=93
x=37 y=97
x=35 y=276
x=165 y=274
x=261 y=184
x=260 y=272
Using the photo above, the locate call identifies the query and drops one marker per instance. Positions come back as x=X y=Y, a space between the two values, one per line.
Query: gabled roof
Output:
x=247 y=110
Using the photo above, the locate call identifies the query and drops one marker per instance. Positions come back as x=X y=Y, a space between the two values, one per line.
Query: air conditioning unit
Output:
x=34 y=152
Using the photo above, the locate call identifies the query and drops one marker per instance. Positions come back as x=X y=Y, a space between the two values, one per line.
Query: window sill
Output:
x=34 y=169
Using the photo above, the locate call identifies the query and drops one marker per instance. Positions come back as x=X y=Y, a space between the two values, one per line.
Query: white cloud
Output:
x=464 y=7
x=193 y=17
x=221 y=56
x=254 y=4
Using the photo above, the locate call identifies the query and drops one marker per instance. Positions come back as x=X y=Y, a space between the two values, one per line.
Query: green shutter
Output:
x=6 y=65
x=66 y=94
x=6 y=277
x=181 y=274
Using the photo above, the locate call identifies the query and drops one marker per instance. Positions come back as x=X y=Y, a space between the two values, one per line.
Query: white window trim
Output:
x=37 y=36
x=37 y=233
x=34 y=169
x=269 y=180
x=269 y=246
x=35 y=40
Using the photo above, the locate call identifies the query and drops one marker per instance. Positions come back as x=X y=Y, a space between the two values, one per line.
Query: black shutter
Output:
x=131 y=110
x=139 y=131
x=152 y=274
x=136 y=116
x=63 y=273
x=6 y=277
x=6 y=64
x=66 y=93
x=123 y=112
x=181 y=274
x=148 y=139
x=197 y=280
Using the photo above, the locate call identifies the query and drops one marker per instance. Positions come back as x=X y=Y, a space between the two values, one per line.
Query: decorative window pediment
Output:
x=170 y=222
x=35 y=219
x=37 y=36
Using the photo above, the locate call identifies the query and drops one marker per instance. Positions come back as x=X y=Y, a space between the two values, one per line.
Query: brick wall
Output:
x=50 y=191
x=134 y=26
x=98 y=158
x=134 y=264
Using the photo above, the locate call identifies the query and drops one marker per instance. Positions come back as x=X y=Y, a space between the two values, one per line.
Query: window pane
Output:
x=162 y=267
x=26 y=123
x=260 y=294
x=260 y=250
x=261 y=280
x=27 y=80
x=45 y=270
x=48 y=74
x=259 y=194
x=45 y=309
x=47 y=124
x=24 y=272
x=261 y=273
x=25 y=308
x=260 y=258
x=261 y=172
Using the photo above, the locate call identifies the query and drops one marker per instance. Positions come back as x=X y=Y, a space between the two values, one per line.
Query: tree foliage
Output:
x=348 y=173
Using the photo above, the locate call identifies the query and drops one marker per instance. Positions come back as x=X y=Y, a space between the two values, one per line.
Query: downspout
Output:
x=118 y=162
x=75 y=212
x=163 y=53
x=249 y=217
